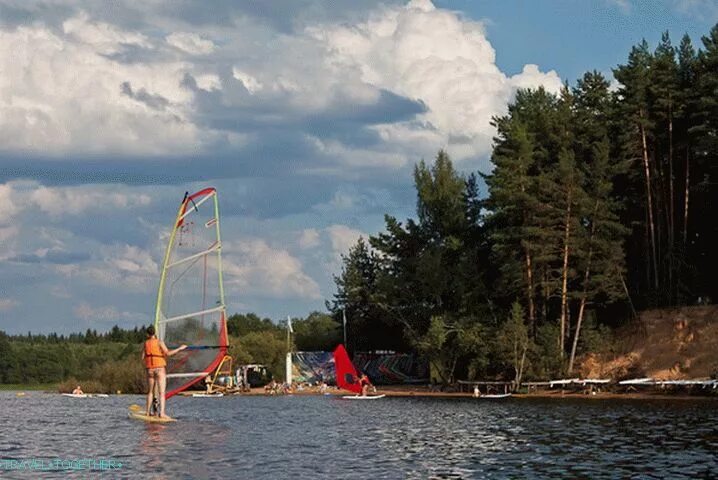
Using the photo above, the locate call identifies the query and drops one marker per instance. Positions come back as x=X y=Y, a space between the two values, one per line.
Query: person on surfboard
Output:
x=154 y=355
x=364 y=383
x=77 y=391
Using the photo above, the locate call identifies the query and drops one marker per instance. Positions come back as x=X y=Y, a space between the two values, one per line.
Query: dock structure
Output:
x=668 y=385
x=591 y=385
x=586 y=385
x=489 y=386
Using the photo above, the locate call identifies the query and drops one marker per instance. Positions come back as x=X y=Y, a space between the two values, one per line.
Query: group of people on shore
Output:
x=321 y=387
x=276 y=388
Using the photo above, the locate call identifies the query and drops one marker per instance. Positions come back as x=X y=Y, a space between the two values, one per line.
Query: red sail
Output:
x=347 y=377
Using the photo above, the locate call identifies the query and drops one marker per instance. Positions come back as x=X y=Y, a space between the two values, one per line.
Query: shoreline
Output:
x=413 y=392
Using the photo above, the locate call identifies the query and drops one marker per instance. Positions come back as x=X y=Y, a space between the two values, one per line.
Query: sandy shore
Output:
x=424 y=392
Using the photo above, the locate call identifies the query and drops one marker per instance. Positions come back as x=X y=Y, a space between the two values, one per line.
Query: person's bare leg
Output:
x=150 y=391
x=162 y=380
x=156 y=401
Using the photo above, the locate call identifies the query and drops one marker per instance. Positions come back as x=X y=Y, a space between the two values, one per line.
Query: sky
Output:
x=308 y=116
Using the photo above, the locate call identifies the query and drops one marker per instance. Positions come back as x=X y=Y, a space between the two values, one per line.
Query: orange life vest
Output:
x=154 y=357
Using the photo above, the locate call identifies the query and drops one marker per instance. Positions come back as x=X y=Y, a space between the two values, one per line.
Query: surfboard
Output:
x=497 y=395
x=207 y=395
x=148 y=418
x=359 y=397
x=136 y=412
x=85 y=395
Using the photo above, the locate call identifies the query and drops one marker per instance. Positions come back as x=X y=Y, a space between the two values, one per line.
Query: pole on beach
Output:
x=344 y=322
x=288 y=361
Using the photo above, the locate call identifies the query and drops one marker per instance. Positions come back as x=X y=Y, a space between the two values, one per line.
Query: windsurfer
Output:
x=364 y=383
x=154 y=355
x=77 y=391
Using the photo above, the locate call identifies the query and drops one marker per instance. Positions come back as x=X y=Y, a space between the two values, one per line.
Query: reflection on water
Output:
x=324 y=437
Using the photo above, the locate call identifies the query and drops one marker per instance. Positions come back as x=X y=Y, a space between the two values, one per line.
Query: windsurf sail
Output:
x=347 y=377
x=190 y=301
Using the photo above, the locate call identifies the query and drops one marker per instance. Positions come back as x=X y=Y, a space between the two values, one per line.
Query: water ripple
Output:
x=323 y=437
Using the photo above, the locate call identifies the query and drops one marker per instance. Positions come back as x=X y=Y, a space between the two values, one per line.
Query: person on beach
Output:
x=77 y=391
x=154 y=355
x=364 y=383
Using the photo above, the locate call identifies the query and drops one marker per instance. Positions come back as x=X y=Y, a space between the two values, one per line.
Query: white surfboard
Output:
x=359 y=397
x=85 y=395
x=207 y=395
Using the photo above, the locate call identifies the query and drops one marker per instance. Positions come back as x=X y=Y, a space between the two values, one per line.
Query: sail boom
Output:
x=195 y=314
x=186 y=375
x=212 y=249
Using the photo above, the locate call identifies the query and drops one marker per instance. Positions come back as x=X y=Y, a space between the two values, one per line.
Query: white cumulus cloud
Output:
x=436 y=57
x=309 y=238
x=57 y=201
x=342 y=238
x=190 y=43
x=254 y=267
x=7 y=304
x=250 y=83
x=61 y=91
x=105 y=314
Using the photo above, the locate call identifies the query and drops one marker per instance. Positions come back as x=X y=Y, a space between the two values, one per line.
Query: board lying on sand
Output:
x=138 y=413
x=207 y=395
x=359 y=397
x=85 y=395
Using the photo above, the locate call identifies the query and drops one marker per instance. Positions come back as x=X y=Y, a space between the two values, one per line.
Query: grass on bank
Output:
x=50 y=387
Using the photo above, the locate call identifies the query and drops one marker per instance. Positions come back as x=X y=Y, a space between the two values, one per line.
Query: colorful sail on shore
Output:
x=190 y=301
x=347 y=377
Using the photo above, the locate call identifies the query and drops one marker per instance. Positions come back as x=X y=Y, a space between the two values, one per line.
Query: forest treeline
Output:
x=108 y=362
x=598 y=204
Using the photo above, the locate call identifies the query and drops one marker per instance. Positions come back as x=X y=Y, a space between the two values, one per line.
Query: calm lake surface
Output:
x=393 y=438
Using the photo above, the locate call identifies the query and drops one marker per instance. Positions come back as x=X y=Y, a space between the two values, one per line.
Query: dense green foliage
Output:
x=111 y=361
x=594 y=208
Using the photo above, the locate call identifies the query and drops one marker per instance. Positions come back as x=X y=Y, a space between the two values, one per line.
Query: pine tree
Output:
x=512 y=206
x=706 y=156
x=635 y=108
x=664 y=91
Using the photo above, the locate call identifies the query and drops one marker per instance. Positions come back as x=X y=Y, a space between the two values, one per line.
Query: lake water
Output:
x=392 y=438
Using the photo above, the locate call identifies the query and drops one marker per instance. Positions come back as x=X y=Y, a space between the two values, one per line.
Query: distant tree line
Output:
x=110 y=361
x=598 y=205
